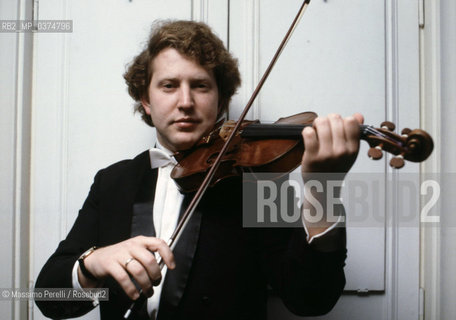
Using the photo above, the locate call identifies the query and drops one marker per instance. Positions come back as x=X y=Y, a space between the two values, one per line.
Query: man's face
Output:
x=183 y=100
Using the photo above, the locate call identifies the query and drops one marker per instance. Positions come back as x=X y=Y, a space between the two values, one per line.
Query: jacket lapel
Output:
x=142 y=222
x=121 y=184
x=176 y=280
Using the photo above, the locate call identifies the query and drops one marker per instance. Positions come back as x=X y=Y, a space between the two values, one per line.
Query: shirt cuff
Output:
x=75 y=278
x=310 y=239
x=77 y=285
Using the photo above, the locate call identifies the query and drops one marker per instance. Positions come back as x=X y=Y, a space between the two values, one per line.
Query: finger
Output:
x=359 y=117
x=149 y=262
x=324 y=136
x=123 y=279
x=338 y=135
x=163 y=249
x=140 y=275
x=351 y=125
x=309 y=136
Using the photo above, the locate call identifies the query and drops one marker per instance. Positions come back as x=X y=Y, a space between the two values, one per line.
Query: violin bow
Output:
x=210 y=174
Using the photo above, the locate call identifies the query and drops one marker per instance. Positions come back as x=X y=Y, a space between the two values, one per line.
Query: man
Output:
x=182 y=83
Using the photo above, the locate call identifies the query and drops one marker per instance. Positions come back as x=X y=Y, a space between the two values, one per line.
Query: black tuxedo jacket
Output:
x=222 y=270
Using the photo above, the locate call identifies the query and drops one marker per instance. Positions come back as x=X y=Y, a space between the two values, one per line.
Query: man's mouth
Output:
x=186 y=123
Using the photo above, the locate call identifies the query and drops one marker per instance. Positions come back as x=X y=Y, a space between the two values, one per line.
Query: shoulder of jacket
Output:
x=127 y=168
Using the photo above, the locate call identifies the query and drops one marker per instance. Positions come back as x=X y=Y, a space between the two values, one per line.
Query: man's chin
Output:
x=185 y=145
x=186 y=142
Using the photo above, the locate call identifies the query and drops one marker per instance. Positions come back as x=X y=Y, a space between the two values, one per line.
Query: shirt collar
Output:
x=160 y=156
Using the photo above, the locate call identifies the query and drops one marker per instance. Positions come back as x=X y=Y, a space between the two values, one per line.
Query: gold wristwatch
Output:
x=84 y=270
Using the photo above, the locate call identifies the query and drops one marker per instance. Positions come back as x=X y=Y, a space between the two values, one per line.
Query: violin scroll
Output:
x=412 y=145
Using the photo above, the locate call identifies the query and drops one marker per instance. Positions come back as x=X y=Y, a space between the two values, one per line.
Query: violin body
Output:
x=252 y=154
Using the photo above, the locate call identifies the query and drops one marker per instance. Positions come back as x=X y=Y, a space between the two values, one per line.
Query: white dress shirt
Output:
x=167 y=205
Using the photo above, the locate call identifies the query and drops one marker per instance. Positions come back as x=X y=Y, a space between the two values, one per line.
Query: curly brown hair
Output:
x=191 y=39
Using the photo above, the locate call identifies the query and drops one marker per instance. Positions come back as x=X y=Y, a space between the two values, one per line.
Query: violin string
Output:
x=366 y=130
x=377 y=133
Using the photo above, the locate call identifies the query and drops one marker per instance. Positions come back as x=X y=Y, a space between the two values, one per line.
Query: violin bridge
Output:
x=225 y=130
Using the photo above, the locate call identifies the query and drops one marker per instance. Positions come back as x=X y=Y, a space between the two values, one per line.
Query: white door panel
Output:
x=334 y=63
x=344 y=57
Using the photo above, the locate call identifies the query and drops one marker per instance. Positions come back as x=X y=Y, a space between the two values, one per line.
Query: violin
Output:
x=278 y=147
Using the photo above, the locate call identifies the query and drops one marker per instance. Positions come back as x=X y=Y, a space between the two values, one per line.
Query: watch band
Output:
x=84 y=270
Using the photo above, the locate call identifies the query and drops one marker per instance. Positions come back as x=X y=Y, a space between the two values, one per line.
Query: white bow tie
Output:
x=160 y=158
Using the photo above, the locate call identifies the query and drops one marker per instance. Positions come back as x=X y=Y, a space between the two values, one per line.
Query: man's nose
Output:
x=185 y=97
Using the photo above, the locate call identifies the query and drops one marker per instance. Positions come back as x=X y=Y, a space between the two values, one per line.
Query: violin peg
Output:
x=405 y=131
x=397 y=162
x=388 y=125
x=375 y=153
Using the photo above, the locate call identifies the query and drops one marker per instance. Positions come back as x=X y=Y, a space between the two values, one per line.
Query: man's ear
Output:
x=145 y=105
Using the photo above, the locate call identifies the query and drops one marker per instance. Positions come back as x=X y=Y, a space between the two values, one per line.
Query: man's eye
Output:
x=202 y=86
x=168 y=85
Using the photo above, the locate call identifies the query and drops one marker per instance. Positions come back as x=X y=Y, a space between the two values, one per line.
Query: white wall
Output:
x=438 y=260
x=15 y=88
x=448 y=156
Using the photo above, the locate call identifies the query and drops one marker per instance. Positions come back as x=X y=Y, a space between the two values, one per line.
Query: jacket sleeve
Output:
x=57 y=272
x=308 y=278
